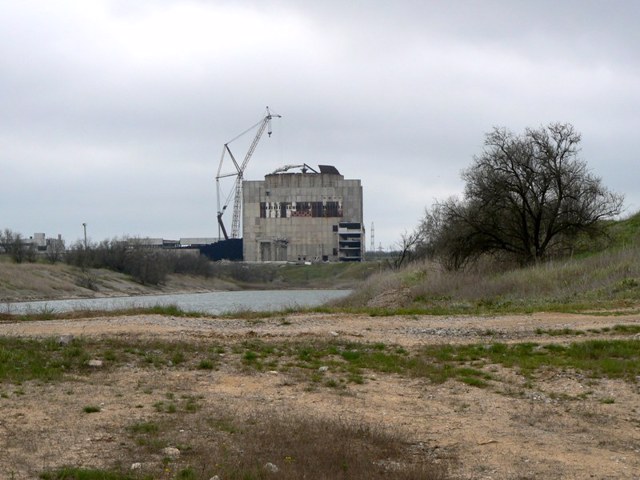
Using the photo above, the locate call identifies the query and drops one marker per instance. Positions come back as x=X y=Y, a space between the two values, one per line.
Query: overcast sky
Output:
x=114 y=112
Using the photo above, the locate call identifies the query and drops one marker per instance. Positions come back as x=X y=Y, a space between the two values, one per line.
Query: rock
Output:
x=64 y=340
x=136 y=466
x=215 y=477
x=333 y=334
x=323 y=369
x=95 y=363
x=171 y=452
x=270 y=467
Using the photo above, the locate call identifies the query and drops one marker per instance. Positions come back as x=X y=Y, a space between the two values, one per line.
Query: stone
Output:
x=171 y=452
x=95 y=363
x=333 y=334
x=64 y=340
x=323 y=369
x=136 y=466
x=270 y=467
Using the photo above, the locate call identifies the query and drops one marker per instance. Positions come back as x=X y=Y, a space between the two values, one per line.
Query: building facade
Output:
x=303 y=217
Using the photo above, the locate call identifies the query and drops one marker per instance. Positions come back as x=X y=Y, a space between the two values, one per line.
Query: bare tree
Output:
x=409 y=245
x=15 y=246
x=55 y=250
x=526 y=195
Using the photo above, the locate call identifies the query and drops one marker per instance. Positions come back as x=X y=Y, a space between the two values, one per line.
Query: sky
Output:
x=114 y=113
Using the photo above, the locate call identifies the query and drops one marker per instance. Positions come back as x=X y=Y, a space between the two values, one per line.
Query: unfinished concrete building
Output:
x=304 y=216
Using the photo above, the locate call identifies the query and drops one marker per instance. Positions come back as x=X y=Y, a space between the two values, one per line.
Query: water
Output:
x=211 y=302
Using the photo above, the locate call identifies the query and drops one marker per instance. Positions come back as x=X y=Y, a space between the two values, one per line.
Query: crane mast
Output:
x=236 y=192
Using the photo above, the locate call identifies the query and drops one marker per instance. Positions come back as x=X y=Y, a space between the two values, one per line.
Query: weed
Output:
x=69 y=473
x=473 y=381
x=24 y=359
x=223 y=424
x=205 y=365
x=559 y=332
x=191 y=405
x=187 y=474
x=165 y=407
x=144 y=428
x=626 y=329
x=177 y=358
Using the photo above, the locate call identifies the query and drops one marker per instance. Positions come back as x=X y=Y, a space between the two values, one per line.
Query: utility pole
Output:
x=373 y=238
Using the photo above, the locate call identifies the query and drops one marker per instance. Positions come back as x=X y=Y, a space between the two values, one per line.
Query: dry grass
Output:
x=263 y=444
x=299 y=448
x=609 y=279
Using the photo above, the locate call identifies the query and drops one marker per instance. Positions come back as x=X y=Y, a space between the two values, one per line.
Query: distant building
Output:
x=196 y=241
x=303 y=217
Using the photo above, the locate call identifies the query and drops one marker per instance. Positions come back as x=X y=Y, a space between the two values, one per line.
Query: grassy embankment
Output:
x=42 y=281
x=596 y=280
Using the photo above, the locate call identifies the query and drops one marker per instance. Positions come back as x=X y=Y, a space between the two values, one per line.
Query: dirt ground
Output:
x=565 y=425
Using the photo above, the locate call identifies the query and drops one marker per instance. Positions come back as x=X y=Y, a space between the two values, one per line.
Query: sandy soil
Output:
x=563 y=425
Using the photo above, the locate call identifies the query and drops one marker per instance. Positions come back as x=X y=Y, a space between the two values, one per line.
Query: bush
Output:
x=14 y=244
x=147 y=265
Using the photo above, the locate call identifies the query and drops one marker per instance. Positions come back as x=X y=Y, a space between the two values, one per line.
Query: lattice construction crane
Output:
x=236 y=192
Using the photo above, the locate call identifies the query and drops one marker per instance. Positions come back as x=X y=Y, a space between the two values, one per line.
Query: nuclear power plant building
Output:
x=305 y=216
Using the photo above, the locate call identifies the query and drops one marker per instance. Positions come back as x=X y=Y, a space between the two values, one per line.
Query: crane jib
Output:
x=237 y=192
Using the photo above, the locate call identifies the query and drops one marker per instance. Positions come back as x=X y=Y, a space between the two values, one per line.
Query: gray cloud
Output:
x=114 y=113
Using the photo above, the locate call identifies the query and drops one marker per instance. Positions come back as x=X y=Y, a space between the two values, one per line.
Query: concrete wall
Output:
x=281 y=216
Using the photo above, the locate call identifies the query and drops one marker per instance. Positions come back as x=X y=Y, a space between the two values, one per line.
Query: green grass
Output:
x=626 y=329
x=326 y=273
x=69 y=473
x=618 y=359
x=47 y=313
x=147 y=428
x=559 y=332
x=625 y=232
x=45 y=360
x=170 y=310
x=615 y=330
x=349 y=361
x=205 y=364
x=332 y=363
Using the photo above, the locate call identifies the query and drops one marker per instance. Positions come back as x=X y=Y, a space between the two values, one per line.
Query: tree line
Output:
x=527 y=197
x=22 y=250
x=149 y=266
x=129 y=256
